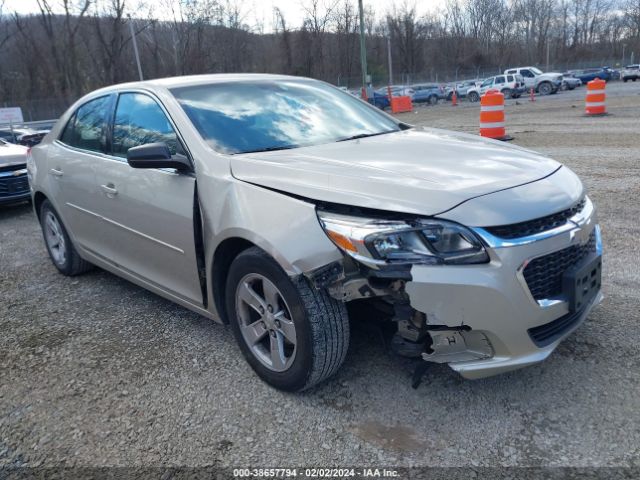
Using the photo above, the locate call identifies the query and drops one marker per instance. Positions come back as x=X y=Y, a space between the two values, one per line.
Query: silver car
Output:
x=272 y=203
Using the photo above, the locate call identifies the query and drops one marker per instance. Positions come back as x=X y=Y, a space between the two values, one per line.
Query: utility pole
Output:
x=363 y=50
x=389 y=59
x=135 y=47
x=547 y=55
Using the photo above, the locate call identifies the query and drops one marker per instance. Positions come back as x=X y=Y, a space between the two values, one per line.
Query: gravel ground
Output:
x=95 y=371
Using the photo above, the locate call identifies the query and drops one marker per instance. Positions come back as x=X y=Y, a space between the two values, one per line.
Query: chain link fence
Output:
x=51 y=108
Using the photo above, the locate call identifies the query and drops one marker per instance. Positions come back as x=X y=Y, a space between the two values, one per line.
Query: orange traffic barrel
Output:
x=492 y=115
x=401 y=104
x=596 y=98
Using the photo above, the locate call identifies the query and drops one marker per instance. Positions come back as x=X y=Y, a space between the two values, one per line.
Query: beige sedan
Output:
x=271 y=202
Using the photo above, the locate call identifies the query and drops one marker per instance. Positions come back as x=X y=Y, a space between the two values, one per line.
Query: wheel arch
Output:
x=38 y=199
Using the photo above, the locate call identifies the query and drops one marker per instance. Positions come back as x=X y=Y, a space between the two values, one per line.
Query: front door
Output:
x=148 y=213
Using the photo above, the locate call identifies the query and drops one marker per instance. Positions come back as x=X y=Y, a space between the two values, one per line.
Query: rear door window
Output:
x=86 y=128
x=499 y=80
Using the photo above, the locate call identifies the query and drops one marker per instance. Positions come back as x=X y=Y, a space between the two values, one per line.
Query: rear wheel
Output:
x=61 y=251
x=293 y=335
x=506 y=92
x=433 y=100
x=473 y=96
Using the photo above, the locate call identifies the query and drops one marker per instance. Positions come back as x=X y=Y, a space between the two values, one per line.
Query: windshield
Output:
x=262 y=115
x=535 y=70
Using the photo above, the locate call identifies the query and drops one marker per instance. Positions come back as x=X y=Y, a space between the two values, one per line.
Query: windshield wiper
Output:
x=365 y=135
x=269 y=149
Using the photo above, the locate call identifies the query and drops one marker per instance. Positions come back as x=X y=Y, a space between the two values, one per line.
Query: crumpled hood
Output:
x=421 y=171
x=11 y=154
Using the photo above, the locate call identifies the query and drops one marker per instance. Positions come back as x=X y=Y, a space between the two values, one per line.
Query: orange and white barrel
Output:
x=596 y=98
x=492 y=123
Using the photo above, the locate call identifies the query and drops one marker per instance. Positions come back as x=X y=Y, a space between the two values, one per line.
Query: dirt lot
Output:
x=96 y=371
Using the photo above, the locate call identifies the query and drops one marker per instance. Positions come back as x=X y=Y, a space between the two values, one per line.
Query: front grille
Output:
x=14 y=186
x=550 y=332
x=538 y=225
x=544 y=274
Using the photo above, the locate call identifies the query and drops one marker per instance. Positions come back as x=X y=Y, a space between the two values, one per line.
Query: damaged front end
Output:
x=380 y=253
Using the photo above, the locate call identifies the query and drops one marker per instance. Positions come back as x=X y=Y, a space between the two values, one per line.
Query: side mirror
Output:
x=156 y=155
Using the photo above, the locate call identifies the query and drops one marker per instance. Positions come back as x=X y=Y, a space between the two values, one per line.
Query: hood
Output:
x=11 y=154
x=550 y=76
x=421 y=171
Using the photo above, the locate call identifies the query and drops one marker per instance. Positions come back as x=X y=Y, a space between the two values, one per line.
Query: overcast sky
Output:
x=257 y=11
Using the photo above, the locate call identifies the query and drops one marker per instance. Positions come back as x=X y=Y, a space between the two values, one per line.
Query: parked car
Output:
x=588 y=74
x=630 y=72
x=569 y=82
x=614 y=74
x=427 y=92
x=511 y=86
x=273 y=218
x=22 y=136
x=461 y=88
x=379 y=100
x=396 y=91
x=543 y=83
x=14 y=184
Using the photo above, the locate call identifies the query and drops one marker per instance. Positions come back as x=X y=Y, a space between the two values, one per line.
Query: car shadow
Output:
x=12 y=210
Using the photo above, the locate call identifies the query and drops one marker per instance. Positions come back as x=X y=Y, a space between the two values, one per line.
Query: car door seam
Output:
x=143 y=235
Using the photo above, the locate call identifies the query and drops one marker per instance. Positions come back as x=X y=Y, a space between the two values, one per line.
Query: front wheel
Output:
x=473 y=97
x=433 y=100
x=292 y=335
x=545 y=88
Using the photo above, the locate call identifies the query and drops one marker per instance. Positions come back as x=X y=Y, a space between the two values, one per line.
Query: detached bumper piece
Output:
x=458 y=346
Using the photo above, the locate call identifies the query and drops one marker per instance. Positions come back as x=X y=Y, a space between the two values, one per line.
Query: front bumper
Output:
x=14 y=187
x=494 y=300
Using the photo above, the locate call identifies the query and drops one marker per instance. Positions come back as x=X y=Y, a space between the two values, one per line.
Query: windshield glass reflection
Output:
x=250 y=116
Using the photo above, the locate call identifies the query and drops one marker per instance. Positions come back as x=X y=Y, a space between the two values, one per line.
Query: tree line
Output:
x=66 y=48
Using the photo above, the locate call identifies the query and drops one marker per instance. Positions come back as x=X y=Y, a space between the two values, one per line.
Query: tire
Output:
x=625 y=80
x=473 y=97
x=545 y=88
x=318 y=323
x=506 y=92
x=63 y=254
x=433 y=100
x=634 y=79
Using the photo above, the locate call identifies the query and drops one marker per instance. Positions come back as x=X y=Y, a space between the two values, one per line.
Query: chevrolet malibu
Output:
x=271 y=203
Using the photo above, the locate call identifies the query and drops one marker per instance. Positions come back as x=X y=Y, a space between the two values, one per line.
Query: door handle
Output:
x=55 y=172
x=109 y=189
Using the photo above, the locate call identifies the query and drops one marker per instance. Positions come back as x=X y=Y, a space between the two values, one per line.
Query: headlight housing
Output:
x=377 y=242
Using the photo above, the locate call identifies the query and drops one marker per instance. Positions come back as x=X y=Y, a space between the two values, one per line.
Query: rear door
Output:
x=148 y=226
x=72 y=161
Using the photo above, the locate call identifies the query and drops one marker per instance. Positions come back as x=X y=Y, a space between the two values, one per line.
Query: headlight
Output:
x=378 y=242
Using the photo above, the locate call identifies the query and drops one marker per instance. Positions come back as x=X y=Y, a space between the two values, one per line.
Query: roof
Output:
x=189 y=80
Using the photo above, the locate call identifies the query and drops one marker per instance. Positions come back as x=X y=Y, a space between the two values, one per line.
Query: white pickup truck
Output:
x=543 y=83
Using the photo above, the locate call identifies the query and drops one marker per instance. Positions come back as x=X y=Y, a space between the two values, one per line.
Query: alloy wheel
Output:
x=55 y=238
x=265 y=322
